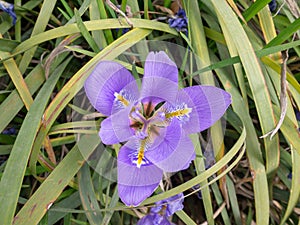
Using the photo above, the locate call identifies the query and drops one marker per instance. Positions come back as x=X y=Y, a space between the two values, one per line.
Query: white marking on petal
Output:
x=181 y=112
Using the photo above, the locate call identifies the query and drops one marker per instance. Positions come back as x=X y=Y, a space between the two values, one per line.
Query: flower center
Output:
x=140 y=120
x=147 y=120
x=143 y=120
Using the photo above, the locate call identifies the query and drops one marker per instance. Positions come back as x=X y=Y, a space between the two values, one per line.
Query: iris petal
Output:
x=160 y=65
x=116 y=128
x=9 y=8
x=107 y=79
x=135 y=195
x=130 y=174
x=208 y=105
x=148 y=219
x=160 y=77
x=135 y=184
x=171 y=151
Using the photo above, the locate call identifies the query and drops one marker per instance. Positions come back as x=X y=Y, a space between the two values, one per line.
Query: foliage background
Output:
x=48 y=53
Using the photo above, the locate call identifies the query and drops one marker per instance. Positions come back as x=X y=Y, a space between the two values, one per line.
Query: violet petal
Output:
x=208 y=105
x=172 y=150
x=116 y=128
x=105 y=80
x=160 y=77
x=135 y=184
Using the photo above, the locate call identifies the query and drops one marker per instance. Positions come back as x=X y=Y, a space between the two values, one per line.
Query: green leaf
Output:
x=52 y=187
x=254 y=9
x=205 y=174
x=88 y=196
x=295 y=188
x=85 y=33
x=12 y=178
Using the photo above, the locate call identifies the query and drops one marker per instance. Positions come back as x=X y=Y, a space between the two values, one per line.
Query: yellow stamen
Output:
x=123 y=100
x=180 y=112
x=141 y=153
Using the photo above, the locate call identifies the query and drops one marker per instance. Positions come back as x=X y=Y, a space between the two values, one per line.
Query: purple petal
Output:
x=160 y=65
x=116 y=128
x=135 y=195
x=9 y=8
x=107 y=79
x=165 y=221
x=135 y=184
x=208 y=105
x=154 y=219
x=148 y=220
x=173 y=150
x=160 y=77
x=175 y=204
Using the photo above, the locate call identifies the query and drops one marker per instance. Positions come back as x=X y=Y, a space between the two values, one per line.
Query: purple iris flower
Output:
x=159 y=214
x=153 y=121
x=179 y=21
x=9 y=8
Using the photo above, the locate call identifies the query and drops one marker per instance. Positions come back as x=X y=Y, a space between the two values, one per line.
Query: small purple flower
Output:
x=10 y=131
x=8 y=8
x=272 y=5
x=155 y=121
x=165 y=208
x=179 y=21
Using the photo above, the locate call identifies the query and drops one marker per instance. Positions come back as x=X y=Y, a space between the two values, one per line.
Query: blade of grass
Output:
x=58 y=71
x=220 y=201
x=290 y=131
x=40 y=25
x=277 y=67
x=254 y=9
x=88 y=196
x=239 y=72
x=36 y=207
x=67 y=7
x=285 y=34
x=185 y=218
x=97 y=35
x=10 y=107
x=16 y=77
x=112 y=204
x=254 y=154
x=18 y=23
x=91 y=26
x=7 y=45
x=234 y=202
x=73 y=201
x=256 y=81
x=236 y=10
x=12 y=178
x=267 y=27
x=85 y=33
x=295 y=188
x=103 y=15
x=260 y=53
x=204 y=175
x=200 y=167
